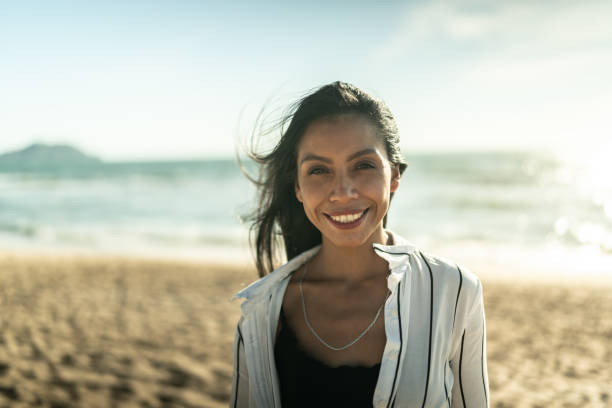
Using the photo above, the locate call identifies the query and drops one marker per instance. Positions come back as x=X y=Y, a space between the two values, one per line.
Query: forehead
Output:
x=340 y=134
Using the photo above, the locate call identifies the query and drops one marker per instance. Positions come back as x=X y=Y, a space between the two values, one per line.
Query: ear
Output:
x=395 y=178
x=298 y=192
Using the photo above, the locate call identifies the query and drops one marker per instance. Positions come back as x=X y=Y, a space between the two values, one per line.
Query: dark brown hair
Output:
x=279 y=213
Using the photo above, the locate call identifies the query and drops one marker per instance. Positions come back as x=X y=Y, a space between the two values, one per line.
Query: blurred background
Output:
x=504 y=114
x=120 y=120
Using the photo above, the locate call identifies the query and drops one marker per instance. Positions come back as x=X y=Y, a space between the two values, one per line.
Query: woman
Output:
x=356 y=317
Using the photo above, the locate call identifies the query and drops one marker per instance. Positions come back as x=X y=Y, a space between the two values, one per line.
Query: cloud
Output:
x=502 y=74
x=579 y=73
x=505 y=50
x=501 y=26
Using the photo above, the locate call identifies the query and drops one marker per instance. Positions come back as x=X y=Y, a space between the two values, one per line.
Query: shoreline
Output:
x=544 y=266
x=201 y=256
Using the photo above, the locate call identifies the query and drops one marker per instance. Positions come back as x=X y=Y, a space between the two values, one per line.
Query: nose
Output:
x=343 y=188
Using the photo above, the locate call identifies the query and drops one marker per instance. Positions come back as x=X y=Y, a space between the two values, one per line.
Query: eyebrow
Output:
x=311 y=156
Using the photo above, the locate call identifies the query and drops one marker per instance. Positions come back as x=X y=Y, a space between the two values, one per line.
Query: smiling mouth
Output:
x=347 y=219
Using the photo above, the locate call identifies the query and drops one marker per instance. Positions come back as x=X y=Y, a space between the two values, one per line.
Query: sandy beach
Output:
x=127 y=332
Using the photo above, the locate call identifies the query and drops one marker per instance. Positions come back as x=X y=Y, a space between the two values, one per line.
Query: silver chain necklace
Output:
x=312 y=330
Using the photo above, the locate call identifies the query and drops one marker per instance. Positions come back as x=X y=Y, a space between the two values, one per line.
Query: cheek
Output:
x=375 y=185
x=311 y=191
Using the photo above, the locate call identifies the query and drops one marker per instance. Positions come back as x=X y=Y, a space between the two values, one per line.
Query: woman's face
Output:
x=344 y=179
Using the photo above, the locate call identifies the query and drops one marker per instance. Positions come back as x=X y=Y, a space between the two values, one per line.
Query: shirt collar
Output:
x=277 y=275
x=396 y=255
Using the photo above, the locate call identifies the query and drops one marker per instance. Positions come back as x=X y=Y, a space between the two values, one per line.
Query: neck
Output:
x=349 y=264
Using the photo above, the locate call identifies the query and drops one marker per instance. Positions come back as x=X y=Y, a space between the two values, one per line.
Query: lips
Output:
x=347 y=219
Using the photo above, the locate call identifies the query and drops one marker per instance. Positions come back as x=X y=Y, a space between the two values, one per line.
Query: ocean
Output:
x=495 y=207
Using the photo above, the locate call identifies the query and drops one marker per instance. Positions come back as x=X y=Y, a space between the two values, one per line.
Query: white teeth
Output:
x=346 y=218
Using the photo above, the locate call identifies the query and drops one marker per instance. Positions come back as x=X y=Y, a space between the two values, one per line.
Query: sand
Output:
x=121 y=332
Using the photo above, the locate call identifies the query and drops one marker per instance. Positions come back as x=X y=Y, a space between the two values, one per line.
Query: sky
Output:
x=140 y=80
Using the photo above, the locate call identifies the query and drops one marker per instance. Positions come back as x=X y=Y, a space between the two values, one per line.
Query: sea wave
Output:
x=518 y=200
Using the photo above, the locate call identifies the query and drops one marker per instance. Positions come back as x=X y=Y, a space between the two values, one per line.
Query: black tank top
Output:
x=308 y=382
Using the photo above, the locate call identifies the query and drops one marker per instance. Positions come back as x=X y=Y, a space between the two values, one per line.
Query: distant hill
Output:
x=40 y=156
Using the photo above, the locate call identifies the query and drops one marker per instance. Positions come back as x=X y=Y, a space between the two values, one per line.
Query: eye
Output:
x=364 y=166
x=317 y=170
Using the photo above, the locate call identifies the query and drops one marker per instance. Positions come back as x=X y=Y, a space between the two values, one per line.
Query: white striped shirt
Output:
x=435 y=354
